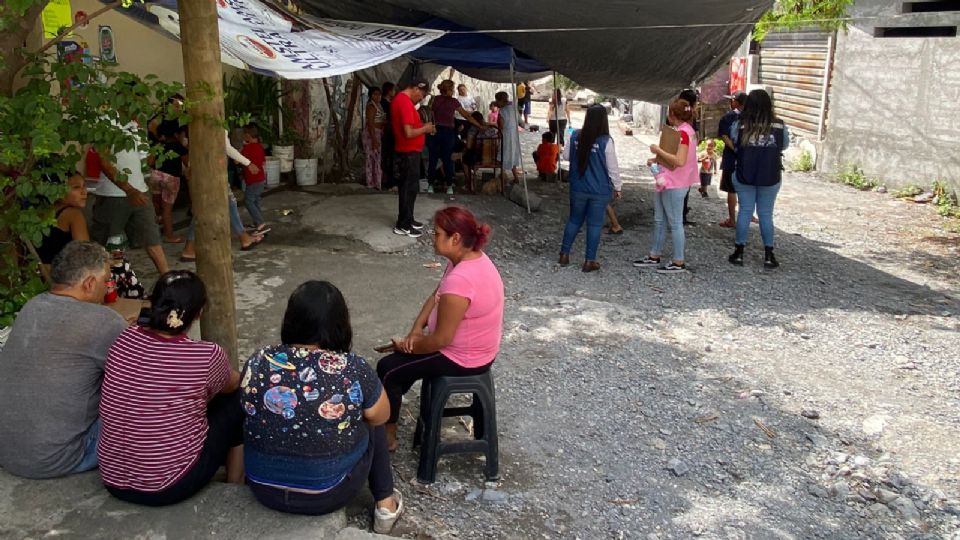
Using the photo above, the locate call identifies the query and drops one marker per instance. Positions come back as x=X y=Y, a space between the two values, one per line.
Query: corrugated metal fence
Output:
x=796 y=65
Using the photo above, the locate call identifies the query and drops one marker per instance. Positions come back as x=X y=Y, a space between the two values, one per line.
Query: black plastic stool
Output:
x=483 y=409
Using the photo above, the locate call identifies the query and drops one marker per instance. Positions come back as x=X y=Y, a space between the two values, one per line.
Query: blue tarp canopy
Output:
x=467 y=52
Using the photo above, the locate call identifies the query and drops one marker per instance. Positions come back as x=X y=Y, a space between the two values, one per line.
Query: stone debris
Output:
x=677 y=467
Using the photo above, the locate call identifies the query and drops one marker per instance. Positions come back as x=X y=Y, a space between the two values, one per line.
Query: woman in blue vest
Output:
x=760 y=139
x=594 y=180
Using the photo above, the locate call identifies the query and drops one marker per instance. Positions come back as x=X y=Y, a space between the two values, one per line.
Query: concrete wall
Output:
x=140 y=49
x=894 y=104
x=647 y=117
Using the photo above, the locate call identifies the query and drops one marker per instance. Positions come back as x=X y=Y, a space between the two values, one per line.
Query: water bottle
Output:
x=657 y=172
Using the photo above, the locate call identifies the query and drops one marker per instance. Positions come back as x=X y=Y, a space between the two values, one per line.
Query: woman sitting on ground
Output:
x=464 y=315
x=70 y=224
x=315 y=413
x=170 y=408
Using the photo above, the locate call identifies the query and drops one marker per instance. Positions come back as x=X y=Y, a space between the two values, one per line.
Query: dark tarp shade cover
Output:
x=647 y=64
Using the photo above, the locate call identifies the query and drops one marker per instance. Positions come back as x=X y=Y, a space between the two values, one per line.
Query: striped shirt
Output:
x=153 y=408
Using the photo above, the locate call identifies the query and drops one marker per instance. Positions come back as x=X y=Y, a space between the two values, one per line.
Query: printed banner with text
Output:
x=258 y=38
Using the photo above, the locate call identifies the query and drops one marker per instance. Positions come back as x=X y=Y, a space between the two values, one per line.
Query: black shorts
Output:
x=225 y=430
x=705 y=179
x=726 y=182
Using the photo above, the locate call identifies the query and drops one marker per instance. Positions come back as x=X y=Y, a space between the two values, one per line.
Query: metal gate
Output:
x=796 y=65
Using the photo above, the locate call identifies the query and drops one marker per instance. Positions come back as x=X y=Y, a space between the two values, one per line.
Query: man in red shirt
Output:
x=409 y=133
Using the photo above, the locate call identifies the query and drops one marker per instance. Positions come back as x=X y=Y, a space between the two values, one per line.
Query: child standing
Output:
x=494 y=113
x=547 y=156
x=708 y=166
x=254 y=182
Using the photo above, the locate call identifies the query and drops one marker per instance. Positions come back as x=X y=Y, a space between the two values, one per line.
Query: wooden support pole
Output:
x=200 y=42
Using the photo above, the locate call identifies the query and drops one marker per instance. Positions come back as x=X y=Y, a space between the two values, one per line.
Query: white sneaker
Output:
x=383 y=519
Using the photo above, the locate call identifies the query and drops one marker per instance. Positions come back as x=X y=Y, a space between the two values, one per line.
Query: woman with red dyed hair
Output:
x=463 y=317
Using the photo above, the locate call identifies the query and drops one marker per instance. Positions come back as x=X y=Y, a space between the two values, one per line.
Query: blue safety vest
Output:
x=595 y=179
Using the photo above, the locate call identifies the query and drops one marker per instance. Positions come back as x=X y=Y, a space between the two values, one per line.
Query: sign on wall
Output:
x=108 y=47
x=56 y=15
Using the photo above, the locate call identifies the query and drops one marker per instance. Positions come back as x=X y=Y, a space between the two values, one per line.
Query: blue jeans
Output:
x=762 y=199
x=442 y=150
x=592 y=208
x=668 y=209
x=89 y=460
x=251 y=199
x=236 y=226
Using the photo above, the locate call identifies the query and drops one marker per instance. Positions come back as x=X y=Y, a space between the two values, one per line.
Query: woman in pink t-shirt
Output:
x=672 y=185
x=463 y=316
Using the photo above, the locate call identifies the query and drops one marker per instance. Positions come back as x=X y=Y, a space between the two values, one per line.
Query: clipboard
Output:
x=669 y=143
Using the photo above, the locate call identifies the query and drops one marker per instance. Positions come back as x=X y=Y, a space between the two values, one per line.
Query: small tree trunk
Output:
x=200 y=41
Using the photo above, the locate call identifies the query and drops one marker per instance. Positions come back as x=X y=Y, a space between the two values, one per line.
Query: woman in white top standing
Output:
x=558 y=121
x=372 y=136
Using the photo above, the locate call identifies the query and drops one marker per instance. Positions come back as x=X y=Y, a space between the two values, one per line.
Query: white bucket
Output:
x=272 y=168
x=285 y=155
x=306 y=171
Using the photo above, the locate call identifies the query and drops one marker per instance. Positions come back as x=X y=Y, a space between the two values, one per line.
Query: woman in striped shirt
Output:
x=170 y=408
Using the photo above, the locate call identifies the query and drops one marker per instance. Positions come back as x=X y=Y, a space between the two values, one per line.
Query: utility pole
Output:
x=200 y=42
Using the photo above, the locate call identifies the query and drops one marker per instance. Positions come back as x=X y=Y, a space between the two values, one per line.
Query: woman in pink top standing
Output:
x=463 y=316
x=672 y=186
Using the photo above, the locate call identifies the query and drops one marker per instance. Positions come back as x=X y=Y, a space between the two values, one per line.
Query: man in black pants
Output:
x=408 y=132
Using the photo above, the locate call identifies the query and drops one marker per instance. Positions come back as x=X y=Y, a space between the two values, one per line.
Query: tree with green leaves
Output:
x=794 y=14
x=51 y=107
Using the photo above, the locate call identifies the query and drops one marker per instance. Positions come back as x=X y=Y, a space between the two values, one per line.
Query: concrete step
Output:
x=78 y=507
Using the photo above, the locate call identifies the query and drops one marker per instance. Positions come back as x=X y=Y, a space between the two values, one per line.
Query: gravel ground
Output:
x=819 y=400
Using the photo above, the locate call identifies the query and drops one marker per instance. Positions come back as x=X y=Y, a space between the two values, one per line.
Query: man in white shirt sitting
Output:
x=467 y=102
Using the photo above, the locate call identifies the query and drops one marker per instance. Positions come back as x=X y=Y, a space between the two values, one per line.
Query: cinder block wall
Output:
x=894 y=105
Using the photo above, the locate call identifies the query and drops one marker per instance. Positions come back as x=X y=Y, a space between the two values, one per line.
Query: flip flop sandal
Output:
x=187 y=259
x=615 y=232
x=253 y=244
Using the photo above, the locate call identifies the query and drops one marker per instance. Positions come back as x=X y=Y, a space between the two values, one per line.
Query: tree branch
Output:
x=65 y=32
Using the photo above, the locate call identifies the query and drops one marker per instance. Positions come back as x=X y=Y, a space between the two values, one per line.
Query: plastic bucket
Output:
x=272 y=169
x=306 y=171
x=285 y=155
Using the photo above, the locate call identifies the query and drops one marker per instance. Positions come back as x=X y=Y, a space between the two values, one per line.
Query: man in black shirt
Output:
x=729 y=162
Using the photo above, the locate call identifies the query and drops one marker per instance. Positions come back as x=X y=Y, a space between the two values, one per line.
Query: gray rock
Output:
x=677 y=467
x=905 y=507
x=818 y=440
x=474 y=494
x=878 y=510
x=818 y=491
x=811 y=414
x=840 y=490
x=494 y=496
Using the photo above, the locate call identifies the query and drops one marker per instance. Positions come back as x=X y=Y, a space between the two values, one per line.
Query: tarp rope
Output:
x=663 y=26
